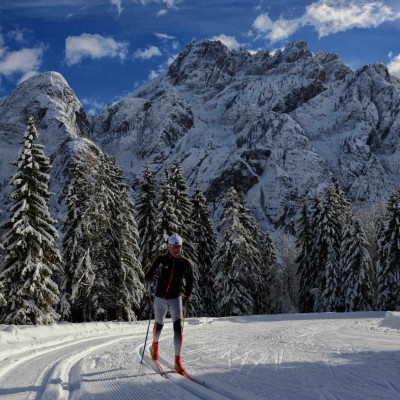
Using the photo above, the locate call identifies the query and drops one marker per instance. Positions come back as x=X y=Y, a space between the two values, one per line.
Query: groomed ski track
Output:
x=309 y=356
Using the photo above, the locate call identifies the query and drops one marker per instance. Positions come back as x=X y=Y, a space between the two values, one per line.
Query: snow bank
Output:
x=391 y=320
x=19 y=336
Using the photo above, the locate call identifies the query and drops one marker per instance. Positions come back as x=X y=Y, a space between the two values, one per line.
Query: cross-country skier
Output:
x=170 y=269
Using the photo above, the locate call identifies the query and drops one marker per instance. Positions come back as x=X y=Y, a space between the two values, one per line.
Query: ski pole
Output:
x=148 y=327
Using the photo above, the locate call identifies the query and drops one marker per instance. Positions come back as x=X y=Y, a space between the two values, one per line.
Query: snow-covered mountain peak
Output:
x=275 y=126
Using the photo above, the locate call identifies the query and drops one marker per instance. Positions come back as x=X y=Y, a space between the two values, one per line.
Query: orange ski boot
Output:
x=154 y=351
x=178 y=365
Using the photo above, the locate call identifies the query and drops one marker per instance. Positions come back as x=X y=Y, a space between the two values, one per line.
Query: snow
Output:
x=286 y=356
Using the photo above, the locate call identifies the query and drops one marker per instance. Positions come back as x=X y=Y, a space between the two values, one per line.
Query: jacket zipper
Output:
x=170 y=279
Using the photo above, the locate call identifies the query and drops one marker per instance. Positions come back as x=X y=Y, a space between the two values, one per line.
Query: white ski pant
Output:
x=174 y=306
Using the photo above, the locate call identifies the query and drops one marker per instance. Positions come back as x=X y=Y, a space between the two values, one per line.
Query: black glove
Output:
x=185 y=301
x=157 y=272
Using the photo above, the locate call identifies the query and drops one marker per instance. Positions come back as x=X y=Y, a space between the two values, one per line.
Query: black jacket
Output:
x=174 y=270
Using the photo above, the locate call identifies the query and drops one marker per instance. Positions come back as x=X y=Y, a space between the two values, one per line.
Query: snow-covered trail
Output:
x=312 y=356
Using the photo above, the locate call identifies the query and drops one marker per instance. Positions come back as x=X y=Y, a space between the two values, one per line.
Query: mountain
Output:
x=275 y=126
x=62 y=125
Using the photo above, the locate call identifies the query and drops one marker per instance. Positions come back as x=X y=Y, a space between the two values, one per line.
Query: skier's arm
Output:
x=189 y=280
x=149 y=276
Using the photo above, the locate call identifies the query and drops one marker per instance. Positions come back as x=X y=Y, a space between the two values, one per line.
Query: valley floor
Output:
x=292 y=356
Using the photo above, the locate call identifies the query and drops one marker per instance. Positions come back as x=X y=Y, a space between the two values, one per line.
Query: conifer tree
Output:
x=235 y=282
x=316 y=266
x=130 y=273
x=268 y=272
x=78 y=275
x=2 y=299
x=330 y=241
x=183 y=210
x=32 y=256
x=206 y=244
x=356 y=267
x=304 y=246
x=389 y=257
x=145 y=216
x=167 y=220
x=254 y=250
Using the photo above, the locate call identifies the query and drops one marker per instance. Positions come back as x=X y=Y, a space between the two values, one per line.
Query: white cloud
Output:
x=93 y=46
x=153 y=74
x=148 y=53
x=162 y=12
x=390 y=55
x=22 y=61
x=394 y=66
x=17 y=35
x=175 y=45
x=328 y=17
x=93 y=106
x=171 y=59
x=229 y=41
x=26 y=76
x=164 y=36
x=117 y=3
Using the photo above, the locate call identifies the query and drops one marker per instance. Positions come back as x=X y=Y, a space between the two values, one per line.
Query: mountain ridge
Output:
x=276 y=126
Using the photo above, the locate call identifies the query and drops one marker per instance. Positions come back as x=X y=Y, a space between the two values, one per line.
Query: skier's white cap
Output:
x=175 y=239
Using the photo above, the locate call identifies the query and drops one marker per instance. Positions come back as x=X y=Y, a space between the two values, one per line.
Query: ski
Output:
x=190 y=377
x=156 y=366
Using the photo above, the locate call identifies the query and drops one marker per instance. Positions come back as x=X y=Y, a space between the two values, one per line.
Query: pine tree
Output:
x=235 y=282
x=30 y=240
x=2 y=299
x=255 y=250
x=206 y=244
x=268 y=272
x=389 y=257
x=183 y=210
x=130 y=276
x=316 y=269
x=304 y=270
x=79 y=274
x=356 y=267
x=145 y=216
x=167 y=220
x=330 y=241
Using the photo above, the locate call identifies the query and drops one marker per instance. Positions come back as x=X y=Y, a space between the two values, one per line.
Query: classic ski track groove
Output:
x=57 y=370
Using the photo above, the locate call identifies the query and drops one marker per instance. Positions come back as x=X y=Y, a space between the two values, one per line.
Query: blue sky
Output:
x=107 y=48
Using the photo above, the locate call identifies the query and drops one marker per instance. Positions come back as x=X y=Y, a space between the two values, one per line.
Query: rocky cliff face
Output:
x=274 y=126
x=62 y=125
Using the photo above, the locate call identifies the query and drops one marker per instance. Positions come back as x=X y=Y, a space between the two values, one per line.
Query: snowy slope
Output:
x=289 y=356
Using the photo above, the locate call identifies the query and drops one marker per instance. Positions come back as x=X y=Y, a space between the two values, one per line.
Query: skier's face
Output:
x=174 y=250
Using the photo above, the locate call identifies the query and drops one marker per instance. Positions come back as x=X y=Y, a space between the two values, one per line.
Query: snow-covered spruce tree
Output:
x=235 y=281
x=206 y=244
x=356 y=267
x=32 y=255
x=2 y=299
x=145 y=215
x=329 y=240
x=255 y=237
x=304 y=246
x=316 y=270
x=183 y=210
x=166 y=223
x=286 y=290
x=268 y=272
x=389 y=257
x=130 y=273
x=79 y=274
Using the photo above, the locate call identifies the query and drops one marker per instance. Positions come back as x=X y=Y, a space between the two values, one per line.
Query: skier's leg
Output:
x=176 y=310
x=160 y=310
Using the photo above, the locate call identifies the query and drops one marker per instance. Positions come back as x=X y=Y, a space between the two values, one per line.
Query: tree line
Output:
x=108 y=242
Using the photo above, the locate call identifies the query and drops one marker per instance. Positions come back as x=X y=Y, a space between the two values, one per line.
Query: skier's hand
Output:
x=157 y=272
